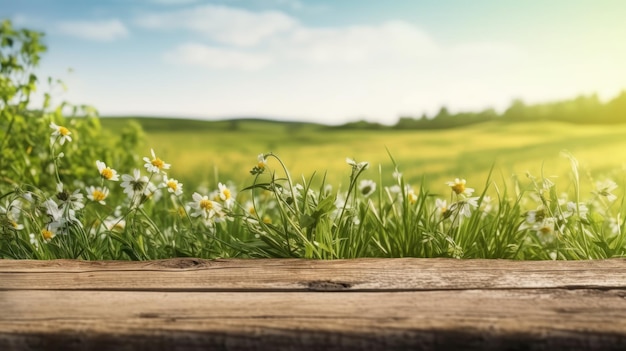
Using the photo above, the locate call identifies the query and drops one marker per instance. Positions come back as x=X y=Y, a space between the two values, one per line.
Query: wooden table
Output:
x=364 y=304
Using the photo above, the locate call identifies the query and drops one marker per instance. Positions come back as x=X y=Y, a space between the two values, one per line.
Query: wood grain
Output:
x=365 y=304
x=184 y=274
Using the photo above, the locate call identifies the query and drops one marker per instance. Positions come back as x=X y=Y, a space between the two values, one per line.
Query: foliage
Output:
x=26 y=156
x=580 y=110
x=31 y=162
x=62 y=197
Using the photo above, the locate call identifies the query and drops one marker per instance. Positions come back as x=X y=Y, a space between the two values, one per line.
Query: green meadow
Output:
x=207 y=152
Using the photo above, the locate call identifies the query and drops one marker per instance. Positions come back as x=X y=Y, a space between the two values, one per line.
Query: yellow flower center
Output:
x=107 y=173
x=261 y=165
x=64 y=131
x=158 y=163
x=458 y=188
x=172 y=185
x=267 y=220
x=412 y=198
x=226 y=193
x=46 y=234
x=13 y=223
x=98 y=195
x=545 y=230
x=206 y=205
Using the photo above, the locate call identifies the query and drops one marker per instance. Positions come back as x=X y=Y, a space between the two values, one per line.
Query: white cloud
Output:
x=216 y=58
x=103 y=30
x=393 y=42
x=227 y=25
x=254 y=40
x=390 y=41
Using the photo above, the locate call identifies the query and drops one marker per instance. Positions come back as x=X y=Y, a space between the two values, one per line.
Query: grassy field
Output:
x=365 y=213
x=203 y=153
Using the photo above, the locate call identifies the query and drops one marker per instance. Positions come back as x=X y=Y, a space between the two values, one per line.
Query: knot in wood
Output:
x=183 y=263
x=327 y=285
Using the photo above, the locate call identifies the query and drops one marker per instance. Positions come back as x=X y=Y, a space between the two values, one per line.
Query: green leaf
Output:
x=307 y=221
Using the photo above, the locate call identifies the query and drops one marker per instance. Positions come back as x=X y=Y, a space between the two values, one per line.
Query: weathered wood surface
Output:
x=366 y=304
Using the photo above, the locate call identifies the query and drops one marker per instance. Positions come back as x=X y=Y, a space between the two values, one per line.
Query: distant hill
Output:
x=580 y=110
x=159 y=124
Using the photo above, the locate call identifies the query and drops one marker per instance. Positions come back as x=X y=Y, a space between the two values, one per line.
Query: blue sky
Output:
x=325 y=61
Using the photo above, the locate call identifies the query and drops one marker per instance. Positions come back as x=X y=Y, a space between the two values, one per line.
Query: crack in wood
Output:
x=327 y=285
x=183 y=263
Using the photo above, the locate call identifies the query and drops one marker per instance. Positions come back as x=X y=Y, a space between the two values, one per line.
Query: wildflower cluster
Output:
x=559 y=220
x=461 y=202
x=66 y=211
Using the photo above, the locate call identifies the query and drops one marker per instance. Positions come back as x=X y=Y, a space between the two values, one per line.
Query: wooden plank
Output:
x=365 y=304
x=305 y=275
x=462 y=319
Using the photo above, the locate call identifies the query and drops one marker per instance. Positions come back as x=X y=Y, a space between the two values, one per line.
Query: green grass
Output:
x=300 y=198
x=207 y=152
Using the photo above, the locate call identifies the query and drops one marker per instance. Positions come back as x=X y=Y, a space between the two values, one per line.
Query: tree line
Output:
x=580 y=110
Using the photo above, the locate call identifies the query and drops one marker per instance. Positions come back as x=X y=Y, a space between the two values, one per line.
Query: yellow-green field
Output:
x=207 y=152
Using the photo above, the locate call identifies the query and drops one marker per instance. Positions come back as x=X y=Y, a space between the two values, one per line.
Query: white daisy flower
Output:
x=134 y=184
x=458 y=186
x=60 y=218
x=47 y=234
x=605 y=189
x=261 y=164
x=172 y=185
x=106 y=172
x=261 y=161
x=208 y=210
x=12 y=211
x=97 y=194
x=60 y=133
x=367 y=187
x=73 y=200
x=155 y=165
x=225 y=195
x=359 y=165
x=465 y=206
x=572 y=209
x=545 y=230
